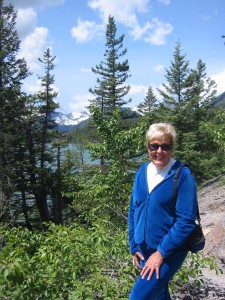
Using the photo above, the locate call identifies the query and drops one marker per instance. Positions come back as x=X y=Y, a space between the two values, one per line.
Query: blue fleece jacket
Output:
x=153 y=218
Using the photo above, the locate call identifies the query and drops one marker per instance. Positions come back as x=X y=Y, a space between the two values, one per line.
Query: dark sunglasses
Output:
x=164 y=147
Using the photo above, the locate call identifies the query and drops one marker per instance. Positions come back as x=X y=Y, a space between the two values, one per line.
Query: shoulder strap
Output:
x=175 y=179
x=175 y=191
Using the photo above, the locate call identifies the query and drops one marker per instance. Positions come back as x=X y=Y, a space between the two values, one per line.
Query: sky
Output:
x=74 y=30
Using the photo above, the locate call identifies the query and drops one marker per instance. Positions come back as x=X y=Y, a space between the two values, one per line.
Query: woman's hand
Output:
x=136 y=260
x=152 y=265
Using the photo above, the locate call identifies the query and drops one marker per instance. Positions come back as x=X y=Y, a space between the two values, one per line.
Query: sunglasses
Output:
x=164 y=147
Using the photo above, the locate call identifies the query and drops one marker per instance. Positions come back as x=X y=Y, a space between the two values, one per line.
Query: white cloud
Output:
x=80 y=102
x=124 y=13
x=160 y=31
x=32 y=88
x=141 y=89
x=86 y=70
x=166 y=2
x=206 y=18
x=86 y=31
x=220 y=80
x=153 y=31
x=159 y=68
x=137 y=89
x=27 y=13
x=26 y=21
x=138 y=32
x=33 y=46
x=33 y=3
x=36 y=87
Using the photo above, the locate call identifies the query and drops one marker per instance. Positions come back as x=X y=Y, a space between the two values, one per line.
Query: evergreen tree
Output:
x=13 y=71
x=186 y=100
x=177 y=76
x=47 y=130
x=37 y=171
x=148 y=107
x=113 y=73
x=195 y=114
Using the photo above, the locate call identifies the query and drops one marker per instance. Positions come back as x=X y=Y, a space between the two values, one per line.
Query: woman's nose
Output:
x=159 y=150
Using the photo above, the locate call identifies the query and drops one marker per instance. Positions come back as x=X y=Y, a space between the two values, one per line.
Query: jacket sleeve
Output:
x=185 y=215
x=133 y=246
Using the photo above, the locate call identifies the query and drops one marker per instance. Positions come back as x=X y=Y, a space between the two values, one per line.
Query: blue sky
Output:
x=75 y=32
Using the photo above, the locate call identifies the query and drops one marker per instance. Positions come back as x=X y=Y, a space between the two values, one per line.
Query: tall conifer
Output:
x=149 y=104
x=112 y=72
x=47 y=133
x=13 y=71
x=186 y=104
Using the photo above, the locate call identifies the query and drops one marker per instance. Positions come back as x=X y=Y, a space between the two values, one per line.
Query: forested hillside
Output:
x=219 y=101
x=63 y=220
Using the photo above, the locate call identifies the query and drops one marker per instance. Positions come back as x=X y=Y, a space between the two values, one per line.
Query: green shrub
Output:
x=72 y=262
x=76 y=262
x=191 y=272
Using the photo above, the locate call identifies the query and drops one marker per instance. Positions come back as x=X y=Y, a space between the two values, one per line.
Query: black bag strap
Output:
x=175 y=191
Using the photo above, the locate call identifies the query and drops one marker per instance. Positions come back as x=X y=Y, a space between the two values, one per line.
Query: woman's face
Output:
x=161 y=156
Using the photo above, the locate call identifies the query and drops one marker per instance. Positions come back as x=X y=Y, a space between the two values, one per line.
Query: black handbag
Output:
x=196 y=240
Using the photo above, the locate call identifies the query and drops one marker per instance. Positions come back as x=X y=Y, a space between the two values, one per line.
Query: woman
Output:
x=157 y=229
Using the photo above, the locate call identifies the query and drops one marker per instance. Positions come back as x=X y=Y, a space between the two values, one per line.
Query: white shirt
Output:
x=155 y=174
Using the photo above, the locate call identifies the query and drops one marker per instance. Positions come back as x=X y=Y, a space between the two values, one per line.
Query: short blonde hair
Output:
x=158 y=130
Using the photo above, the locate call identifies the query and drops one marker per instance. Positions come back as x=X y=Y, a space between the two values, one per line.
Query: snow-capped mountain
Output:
x=73 y=118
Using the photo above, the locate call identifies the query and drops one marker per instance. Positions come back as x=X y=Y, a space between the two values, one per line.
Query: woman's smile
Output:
x=160 y=151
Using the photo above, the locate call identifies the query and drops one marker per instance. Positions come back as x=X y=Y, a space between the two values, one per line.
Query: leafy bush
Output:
x=76 y=262
x=191 y=271
x=71 y=262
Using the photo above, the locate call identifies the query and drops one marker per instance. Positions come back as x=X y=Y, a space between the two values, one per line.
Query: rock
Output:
x=215 y=241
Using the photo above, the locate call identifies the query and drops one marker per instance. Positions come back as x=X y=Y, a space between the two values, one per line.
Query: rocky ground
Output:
x=211 y=199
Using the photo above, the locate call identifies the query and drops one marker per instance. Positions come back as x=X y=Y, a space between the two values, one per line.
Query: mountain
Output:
x=72 y=118
x=70 y=121
x=219 y=101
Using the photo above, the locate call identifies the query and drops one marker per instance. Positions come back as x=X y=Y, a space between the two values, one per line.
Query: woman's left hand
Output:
x=152 y=265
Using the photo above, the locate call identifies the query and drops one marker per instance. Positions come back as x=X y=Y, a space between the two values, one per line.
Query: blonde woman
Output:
x=158 y=230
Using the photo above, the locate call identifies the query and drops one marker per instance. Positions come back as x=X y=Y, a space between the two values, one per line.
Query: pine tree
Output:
x=186 y=100
x=37 y=175
x=195 y=115
x=48 y=131
x=13 y=71
x=178 y=79
x=149 y=104
x=113 y=73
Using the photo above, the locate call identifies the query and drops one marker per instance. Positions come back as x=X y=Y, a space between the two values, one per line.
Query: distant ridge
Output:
x=73 y=120
x=219 y=101
x=70 y=121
